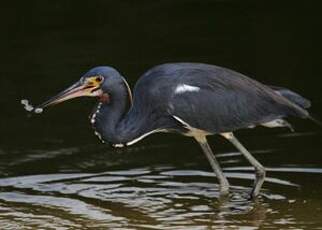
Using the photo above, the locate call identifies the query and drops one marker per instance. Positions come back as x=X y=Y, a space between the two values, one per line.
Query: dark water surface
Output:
x=56 y=175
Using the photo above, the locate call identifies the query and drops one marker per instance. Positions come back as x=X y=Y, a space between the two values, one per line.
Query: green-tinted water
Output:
x=55 y=174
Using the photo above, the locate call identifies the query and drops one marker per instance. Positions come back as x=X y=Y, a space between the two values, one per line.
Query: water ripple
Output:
x=163 y=196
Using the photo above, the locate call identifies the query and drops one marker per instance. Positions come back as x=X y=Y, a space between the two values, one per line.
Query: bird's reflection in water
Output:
x=238 y=204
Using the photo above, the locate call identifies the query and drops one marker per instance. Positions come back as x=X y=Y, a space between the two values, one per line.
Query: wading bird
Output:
x=192 y=99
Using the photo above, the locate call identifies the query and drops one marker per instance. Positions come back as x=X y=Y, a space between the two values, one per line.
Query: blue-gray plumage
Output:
x=193 y=99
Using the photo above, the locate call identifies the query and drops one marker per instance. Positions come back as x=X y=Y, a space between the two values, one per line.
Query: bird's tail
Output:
x=299 y=101
x=292 y=96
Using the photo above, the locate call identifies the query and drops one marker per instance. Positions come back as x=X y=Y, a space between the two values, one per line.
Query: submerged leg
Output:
x=223 y=182
x=259 y=169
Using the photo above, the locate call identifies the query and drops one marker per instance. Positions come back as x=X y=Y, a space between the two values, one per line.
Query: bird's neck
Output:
x=115 y=121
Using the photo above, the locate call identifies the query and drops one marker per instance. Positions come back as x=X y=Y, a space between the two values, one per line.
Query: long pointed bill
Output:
x=76 y=90
x=88 y=88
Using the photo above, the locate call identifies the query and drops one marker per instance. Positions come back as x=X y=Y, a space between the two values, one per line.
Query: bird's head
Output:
x=97 y=82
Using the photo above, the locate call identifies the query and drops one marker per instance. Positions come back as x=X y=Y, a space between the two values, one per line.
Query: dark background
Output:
x=47 y=45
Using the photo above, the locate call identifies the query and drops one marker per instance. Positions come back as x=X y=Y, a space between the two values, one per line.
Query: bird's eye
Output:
x=99 y=79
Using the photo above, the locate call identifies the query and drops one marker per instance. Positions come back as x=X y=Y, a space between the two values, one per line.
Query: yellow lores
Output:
x=94 y=81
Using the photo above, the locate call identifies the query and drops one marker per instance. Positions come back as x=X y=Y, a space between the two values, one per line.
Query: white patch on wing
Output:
x=182 y=88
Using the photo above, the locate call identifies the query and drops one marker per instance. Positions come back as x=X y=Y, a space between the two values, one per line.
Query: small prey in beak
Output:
x=89 y=87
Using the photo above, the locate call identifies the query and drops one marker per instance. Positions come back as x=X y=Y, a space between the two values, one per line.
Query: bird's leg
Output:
x=259 y=169
x=223 y=182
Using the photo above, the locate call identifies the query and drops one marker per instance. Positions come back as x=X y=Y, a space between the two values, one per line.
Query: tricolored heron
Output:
x=192 y=99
